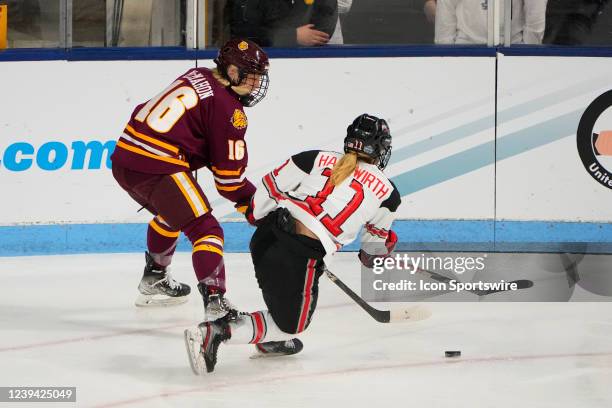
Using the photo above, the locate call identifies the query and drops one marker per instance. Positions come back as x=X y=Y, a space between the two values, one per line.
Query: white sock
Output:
x=256 y=327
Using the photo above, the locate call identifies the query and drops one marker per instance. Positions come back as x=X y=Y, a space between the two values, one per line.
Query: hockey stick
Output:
x=520 y=283
x=413 y=313
x=570 y=267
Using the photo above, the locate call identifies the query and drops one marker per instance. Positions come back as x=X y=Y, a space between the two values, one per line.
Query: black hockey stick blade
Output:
x=413 y=313
x=382 y=316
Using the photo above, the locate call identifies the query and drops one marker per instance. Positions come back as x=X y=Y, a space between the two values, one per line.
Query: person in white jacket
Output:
x=305 y=210
x=466 y=21
x=344 y=6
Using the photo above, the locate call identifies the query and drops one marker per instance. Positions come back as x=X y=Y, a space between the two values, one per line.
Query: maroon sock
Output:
x=206 y=235
x=161 y=241
x=208 y=262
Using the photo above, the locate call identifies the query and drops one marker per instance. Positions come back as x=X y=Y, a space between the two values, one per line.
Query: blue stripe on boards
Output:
x=522 y=236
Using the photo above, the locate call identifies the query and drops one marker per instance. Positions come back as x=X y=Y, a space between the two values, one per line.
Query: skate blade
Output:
x=159 y=300
x=257 y=355
x=211 y=317
x=192 y=345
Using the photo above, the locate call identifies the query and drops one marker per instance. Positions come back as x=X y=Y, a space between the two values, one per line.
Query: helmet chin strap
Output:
x=245 y=100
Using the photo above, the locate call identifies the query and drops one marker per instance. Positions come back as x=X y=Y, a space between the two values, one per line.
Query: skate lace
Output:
x=169 y=280
x=221 y=302
x=226 y=304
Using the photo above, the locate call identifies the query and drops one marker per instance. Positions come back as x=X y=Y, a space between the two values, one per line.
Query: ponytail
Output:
x=220 y=78
x=343 y=168
x=241 y=90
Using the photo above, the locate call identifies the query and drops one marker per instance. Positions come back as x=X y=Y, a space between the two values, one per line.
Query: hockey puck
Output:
x=452 y=353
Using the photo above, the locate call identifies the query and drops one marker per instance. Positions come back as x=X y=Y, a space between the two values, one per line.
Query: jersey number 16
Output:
x=162 y=112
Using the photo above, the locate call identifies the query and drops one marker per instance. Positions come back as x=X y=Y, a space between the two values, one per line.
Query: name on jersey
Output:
x=367 y=179
x=200 y=84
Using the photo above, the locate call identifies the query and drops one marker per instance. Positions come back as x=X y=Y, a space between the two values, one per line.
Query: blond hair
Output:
x=241 y=90
x=343 y=168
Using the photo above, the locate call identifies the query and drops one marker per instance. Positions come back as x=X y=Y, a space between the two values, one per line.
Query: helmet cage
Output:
x=258 y=93
x=385 y=153
x=249 y=58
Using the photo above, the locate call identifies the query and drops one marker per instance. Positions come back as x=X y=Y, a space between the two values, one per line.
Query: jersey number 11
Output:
x=333 y=224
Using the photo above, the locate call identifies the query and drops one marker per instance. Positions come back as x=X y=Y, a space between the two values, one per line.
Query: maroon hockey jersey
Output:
x=195 y=122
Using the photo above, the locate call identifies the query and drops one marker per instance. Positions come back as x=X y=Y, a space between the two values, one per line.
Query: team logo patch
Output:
x=243 y=46
x=594 y=139
x=239 y=119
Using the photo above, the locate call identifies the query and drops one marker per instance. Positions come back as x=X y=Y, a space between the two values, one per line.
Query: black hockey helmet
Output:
x=249 y=58
x=369 y=136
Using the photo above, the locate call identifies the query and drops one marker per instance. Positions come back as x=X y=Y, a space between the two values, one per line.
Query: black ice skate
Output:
x=203 y=342
x=216 y=305
x=158 y=288
x=278 y=348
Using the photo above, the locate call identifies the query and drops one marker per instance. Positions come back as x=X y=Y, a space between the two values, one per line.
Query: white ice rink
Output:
x=70 y=321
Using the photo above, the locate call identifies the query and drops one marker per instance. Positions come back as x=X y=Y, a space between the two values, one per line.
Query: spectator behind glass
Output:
x=88 y=23
x=283 y=23
x=387 y=22
x=344 y=6
x=578 y=22
x=429 y=8
x=465 y=21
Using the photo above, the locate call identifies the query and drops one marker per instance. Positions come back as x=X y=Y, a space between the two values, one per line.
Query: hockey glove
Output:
x=368 y=260
x=246 y=208
x=391 y=241
x=283 y=220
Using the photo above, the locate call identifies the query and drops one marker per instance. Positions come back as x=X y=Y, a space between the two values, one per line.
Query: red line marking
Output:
x=90 y=338
x=215 y=386
x=119 y=334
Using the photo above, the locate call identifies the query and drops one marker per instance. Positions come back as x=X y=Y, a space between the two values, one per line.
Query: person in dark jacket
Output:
x=578 y=22
x=282 y=23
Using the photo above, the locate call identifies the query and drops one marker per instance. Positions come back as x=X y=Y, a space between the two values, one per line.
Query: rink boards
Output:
x=485 y=149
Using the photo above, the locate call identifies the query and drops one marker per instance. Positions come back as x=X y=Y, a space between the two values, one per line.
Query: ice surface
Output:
x=70 y=321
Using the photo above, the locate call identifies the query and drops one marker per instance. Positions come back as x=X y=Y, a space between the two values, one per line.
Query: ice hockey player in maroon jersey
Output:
x=197 y=121
x=305 y=210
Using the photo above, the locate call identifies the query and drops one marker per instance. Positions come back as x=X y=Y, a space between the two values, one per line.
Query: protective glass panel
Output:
x=33 y=23
x=523 y=21
x=312 y=23
x=129 y=23
x=88 y=23
x=462 y=22
x=578 y=22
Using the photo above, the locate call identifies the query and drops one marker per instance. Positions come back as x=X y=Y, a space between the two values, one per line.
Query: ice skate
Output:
x=216 y=305
x=278 y=348
x=158 y=288
x=203 y=342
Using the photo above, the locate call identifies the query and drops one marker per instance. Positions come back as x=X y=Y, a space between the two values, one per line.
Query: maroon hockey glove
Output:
x=246 y=208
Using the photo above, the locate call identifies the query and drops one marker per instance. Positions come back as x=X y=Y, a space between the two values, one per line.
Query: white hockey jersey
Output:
x=335 y=214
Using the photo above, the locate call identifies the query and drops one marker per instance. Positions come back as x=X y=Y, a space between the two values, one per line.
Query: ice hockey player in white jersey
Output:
x=305 y=210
